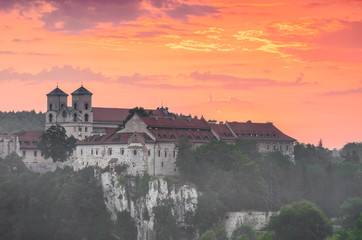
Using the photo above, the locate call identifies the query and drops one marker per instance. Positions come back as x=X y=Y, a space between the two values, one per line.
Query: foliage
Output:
x=18 y=122
x=350 y=211
x=60 y=205
x=245 y=230
x=220 y=232
x=105 y=169
x=140 y=111
x=299 y=221
x=55 y=143
x=120 y=168
x=352 y=152
x=208 y=235
x=125 y=227
x=165 y=223
x=210 y=210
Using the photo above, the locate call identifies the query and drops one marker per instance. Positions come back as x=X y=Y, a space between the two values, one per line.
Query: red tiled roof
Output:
x=94 y=139
x=113 y=160
x=180 y=123
x=116 y=138
x=30 y=140
x=222 y=131
x=109 y=114
x=258 y=131
x=171 y=135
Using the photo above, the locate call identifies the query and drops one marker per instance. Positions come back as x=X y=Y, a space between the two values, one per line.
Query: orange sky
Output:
x=295 y=63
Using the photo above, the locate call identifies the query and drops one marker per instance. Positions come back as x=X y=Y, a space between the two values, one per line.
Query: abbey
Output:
x=145 y=144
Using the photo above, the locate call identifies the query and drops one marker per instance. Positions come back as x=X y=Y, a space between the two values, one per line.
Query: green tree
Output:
x=165 y=223
x=125 y=226
x=300 y=221
x=350 y=211
x=55 y=143
x=208 y=235
x=245 y=230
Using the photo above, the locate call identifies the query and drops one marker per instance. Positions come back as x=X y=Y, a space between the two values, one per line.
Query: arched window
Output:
x=189 y=137
x=86 y=117
x=75 y=117
x=164 y=136
x=75 y=105
x=50 y=106
x=198 y=137
x=50 y=117
x=64 y=114
x=86 y=106
x=206 y=138
x=173 y=137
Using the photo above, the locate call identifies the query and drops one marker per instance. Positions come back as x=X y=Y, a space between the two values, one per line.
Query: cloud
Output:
x=233 y=82
x=27 y=53
x=148 y=34
x=229 y=100
x=27 y=40
x=350 y=36
x=343 y=93
x=75 y=15
x=66 y=73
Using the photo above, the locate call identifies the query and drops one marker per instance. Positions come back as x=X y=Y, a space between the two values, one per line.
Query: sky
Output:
x=297 y=64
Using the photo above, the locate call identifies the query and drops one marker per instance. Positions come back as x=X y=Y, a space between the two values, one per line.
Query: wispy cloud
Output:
x=343 y=93
x=66 y=73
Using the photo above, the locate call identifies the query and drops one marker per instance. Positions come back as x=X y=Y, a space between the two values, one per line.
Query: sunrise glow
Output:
x=297 y=64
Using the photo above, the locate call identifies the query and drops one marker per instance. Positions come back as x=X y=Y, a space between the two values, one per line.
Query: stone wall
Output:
x=256 y=219
x=47 y=167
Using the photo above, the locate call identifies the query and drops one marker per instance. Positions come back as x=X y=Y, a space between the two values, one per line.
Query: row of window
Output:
x=110 y=152
x=35 y=153
x=80 y=129
x=86 y=117
x=276 y=147
x=256 y=135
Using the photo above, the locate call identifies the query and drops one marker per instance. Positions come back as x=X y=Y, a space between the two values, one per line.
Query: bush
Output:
x=245 y=230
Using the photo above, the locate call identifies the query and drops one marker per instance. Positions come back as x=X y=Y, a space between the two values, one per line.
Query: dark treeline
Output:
x=17 y=122
x=238 y=177
x=60 y=205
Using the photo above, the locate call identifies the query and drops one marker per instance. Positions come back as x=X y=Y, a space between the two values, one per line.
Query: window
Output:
x=122 y=151
x=61 y=105
x=174 y=169
x=206 y=138
x=149 y=152
x=165 y=153
x=81 y=152
x=35 y=153
x=75 y=117
x=75 y=129
x=64 y=114
x=287 y=147
x=159 y=153
x=134 y=152
x=109 y=151
x=50 y=117
x=91 y=151
x=96 y=151
x=174 y=153
x=75 y=106
x=281 y=148
x=80 y=129
x=198 y=137
x=189 y=137
x=267 y=147
x=86 y=117
x=173 y=137
x=50 y=106
x=86 y=129
x=86 y=106
x=24 y=153
x=274 y=148
x=161 y=164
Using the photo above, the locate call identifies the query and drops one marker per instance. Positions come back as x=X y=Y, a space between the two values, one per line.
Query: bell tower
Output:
x=56 y=100
x=82 y=113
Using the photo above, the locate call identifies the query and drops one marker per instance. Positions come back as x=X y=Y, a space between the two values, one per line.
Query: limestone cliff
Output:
x=119 y=197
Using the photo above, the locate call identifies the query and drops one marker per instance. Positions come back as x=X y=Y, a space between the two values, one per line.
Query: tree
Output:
x=299 y=221
x=208 y=235
x=350 y=211
x=54 y=143
x=165 y=223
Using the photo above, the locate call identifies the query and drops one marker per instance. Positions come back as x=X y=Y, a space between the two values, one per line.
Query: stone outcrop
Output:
x=118 y=197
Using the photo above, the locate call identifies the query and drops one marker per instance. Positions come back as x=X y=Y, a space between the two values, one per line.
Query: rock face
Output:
x=47 y=167
x=118 y=197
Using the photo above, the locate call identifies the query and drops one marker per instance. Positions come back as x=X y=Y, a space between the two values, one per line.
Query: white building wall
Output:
x=154 y=159
x=33 y=156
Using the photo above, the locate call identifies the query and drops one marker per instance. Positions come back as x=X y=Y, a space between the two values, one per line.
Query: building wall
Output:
x=8 y=145
x=33 y=156
x=286 y=148
x=154 y=159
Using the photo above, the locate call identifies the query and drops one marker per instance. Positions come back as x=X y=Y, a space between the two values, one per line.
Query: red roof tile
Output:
x=109 y=114
x=116 y=138
x=222 y=131
x=258 y=131
x=180 y=123
x=30 y=140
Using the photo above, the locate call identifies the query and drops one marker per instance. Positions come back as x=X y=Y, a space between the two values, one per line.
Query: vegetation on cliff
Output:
x=21 y=122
